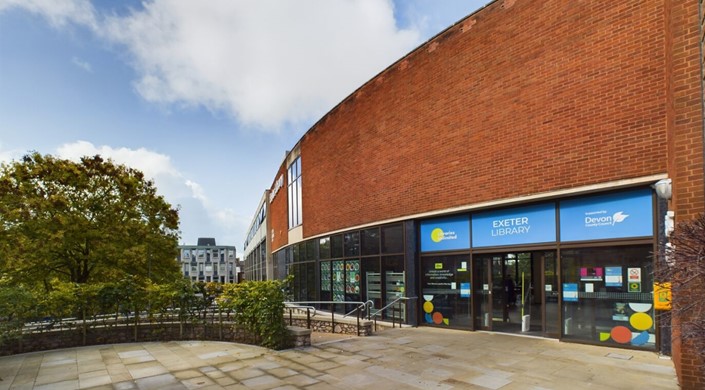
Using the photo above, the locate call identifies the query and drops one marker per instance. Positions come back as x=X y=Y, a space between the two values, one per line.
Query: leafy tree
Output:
x=82 y=222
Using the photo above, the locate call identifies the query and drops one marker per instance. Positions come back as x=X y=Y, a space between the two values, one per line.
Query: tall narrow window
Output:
x=294 y=192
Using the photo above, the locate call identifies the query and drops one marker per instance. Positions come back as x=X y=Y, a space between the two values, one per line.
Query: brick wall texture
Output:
x=522 y=97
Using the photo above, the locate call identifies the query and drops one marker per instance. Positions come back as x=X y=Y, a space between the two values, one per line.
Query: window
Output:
x=370 y=241
x=336 y=245
x=324 y=247
x=393 y=239
x=608 y=295
x=294 y=193
x=351 y=243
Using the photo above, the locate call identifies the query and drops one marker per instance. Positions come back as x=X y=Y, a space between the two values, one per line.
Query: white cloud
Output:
x=57 y=12
x=264 y=62
x=85 y=65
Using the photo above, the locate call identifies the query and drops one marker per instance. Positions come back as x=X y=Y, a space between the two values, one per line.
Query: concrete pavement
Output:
x=408 y=358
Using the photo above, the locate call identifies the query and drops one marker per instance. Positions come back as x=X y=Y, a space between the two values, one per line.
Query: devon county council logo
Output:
x=438 y=235
x=601 y=218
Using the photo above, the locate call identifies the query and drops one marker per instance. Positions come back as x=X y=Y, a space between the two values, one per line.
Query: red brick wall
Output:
x=685 y=162
x=520 y=98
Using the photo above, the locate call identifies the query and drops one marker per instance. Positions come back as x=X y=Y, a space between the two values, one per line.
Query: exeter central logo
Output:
x=601 y=218
x=438 y=235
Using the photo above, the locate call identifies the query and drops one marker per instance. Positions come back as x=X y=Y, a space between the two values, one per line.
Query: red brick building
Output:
x=503 y=173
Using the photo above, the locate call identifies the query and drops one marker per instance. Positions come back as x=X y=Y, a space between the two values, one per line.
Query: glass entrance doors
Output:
x=515 y=292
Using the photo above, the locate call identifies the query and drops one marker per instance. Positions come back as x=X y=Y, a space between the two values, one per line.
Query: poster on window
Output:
x=591 y=274
x=570 y=292
x=613 y=277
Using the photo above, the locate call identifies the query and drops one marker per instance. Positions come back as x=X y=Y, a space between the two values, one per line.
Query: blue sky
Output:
x=204 y=97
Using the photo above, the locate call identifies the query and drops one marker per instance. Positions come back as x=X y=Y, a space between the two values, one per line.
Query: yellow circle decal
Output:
x=437 y=235
x=641 y=321
x=427 y=307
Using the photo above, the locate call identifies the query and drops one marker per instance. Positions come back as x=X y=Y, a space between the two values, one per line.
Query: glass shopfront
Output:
x=577 y=269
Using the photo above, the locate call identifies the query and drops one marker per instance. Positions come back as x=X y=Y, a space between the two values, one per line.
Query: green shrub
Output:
x=259 y=310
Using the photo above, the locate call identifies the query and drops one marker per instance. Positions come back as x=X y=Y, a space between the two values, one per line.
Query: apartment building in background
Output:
x=208 y=262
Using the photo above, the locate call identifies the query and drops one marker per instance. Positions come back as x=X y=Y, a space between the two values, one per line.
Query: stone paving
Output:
x=408 y=358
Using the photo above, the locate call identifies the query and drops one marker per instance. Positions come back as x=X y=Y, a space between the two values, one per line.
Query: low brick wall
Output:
x=55 y=339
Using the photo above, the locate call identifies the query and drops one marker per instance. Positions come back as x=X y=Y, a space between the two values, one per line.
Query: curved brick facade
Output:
x=518 y=99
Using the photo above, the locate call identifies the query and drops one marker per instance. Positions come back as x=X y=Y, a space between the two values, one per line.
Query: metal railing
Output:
x=361 y=308
x=399 y=302
x=291 y=307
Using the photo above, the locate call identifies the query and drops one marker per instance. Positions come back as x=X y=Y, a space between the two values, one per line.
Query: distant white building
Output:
x=208 y=262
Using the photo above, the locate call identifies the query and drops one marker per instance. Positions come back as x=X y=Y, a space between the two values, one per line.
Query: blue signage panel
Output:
x=443 y=234
x=618 y=215
x=520 y=225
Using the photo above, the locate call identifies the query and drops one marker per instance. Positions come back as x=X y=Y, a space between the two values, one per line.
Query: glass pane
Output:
x=372 y=281
x=352 y=244
x=324 y=248
x=370 y=241
x=352 y=282
x=295 y=250
x=310 y=253
x=326 y=278
x=446 y=291
x=299 y=211
x=393 y=239
x=481 y=289
x=607 y=296
x=310 y=281
x=336 y=246
x=394 y=286
x=550 y=289
x=338 y=270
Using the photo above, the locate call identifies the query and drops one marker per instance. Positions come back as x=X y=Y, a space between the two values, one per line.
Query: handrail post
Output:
x=332 y=319
x=308 y=318
x=290 y=319
x=358 y=323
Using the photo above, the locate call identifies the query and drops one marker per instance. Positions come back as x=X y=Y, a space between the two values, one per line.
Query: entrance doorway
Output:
x=516 y=292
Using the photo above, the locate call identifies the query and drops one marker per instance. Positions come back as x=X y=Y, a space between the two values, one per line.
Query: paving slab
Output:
x=406 y=358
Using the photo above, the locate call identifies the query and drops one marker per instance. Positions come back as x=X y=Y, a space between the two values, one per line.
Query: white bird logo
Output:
x=618 y=217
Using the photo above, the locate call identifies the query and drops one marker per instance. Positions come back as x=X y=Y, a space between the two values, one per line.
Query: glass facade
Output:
x=578 y=269
x=354 y=266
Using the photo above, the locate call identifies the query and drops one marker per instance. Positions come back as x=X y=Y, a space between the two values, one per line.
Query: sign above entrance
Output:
x=443 y=234
x=520 y=225
x=619 y=215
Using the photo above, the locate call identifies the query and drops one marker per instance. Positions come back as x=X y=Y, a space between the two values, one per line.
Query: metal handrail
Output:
x=363 y=306
x=291 y=305
x=396 y=301
x=333 y=303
